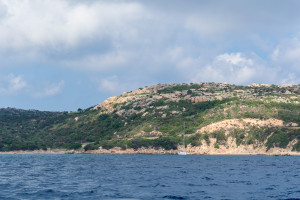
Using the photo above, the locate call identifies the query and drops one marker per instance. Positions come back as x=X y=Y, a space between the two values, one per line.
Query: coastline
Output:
x=150 y=151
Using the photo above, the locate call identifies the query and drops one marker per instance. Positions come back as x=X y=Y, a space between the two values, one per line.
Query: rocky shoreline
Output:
x=150 y=151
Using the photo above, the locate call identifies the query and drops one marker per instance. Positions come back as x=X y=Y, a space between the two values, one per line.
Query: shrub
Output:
x=195 y=140
x=296 y=147
x=220 y=136
x=139 y=142
x=91 y=146
x=164 y=128
x=166 y=143
x=253 y=115
x=148 y=129
x=161 y=142
x=289 y=116
x=75 y=145
x=206 y=138
x=278 y=139
x=239 y=136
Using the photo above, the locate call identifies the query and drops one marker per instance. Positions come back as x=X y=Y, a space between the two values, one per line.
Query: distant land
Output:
x=219 y=118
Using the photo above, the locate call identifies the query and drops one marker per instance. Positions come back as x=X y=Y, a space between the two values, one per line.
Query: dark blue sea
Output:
x=148 y=177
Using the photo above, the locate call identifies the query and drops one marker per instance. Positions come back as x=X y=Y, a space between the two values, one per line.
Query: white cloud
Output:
x=90 y=36
x=110 y=84
x=287 y=54
x=60 y=23
x=150 y=43
x=114 y=85
x=12 y=85
x=234 y=59
x=235 y=68
x=290 y=78
x=50 y=90
x=16 y=83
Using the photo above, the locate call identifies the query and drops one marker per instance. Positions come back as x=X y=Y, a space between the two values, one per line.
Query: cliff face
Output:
x=219 y=119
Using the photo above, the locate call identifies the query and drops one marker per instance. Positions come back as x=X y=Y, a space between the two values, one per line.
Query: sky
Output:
x=61 y=55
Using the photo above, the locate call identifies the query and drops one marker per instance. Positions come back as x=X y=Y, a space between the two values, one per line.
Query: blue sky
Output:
x=68 y=54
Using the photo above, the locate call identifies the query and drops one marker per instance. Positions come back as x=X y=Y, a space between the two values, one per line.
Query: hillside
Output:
x=219 y=118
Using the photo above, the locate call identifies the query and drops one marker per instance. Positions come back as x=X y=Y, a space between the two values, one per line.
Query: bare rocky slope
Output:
x=219 y=119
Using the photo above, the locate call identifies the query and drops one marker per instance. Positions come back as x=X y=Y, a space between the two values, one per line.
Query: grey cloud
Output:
x=138 y=39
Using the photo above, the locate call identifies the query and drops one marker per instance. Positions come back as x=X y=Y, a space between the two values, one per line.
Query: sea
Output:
x=132 y=177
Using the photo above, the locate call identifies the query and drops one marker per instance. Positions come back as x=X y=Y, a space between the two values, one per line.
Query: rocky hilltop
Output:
x=140 y=100
x=219 y=118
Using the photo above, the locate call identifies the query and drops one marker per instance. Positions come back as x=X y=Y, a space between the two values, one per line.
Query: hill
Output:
x=219 y=118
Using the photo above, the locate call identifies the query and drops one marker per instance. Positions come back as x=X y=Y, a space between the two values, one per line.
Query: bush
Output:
x=195 y=140
x=239 y=136
x=167 y=143
x=148 y=129
x=161 y=142
x=91 y=146
x=253 y=115
x=220 y=136
x=139 y=142
x=75 y=145
x=289 y=116
x=164 y=128
x=260 y=134
x=206 y=138
x=278 y=139
x=296 y=147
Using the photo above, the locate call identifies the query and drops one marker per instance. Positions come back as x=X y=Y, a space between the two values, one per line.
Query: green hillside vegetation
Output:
x=31 y=130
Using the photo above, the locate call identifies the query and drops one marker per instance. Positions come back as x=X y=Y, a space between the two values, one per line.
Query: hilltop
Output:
x=219 y=119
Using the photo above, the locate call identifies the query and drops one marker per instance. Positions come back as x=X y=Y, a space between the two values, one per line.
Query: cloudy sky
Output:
x=68 y=54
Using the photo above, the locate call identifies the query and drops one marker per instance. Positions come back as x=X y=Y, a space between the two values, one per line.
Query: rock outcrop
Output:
x=138 y=101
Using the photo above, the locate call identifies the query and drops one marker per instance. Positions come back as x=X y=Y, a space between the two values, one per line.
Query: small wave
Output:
x=207 y=178
x=269 y=188
x=292 y=199
x=173 y=197
x=123 y=199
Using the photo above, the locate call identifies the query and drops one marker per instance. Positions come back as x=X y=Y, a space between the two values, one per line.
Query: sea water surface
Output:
x=148 y=177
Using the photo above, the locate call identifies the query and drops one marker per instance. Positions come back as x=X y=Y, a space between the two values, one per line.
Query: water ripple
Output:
x=133 y=177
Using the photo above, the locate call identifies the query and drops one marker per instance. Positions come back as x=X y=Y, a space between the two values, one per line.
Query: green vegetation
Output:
x=296 y=147
x=167 y=143
x=195 y=140
x=220 y=136
x=75 y=145
x=148 y=129
x=281 y=138
x=31 y=130
x=239 y=135
x=161 y=142
x=278 y=139
x=179 y=88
